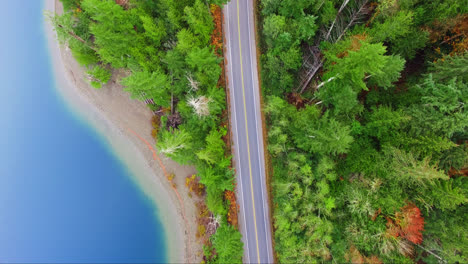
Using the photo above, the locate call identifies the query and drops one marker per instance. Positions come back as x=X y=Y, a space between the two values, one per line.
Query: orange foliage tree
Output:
x=232 y=213
x=411 y=223
x=408 y=224
x=217 y=35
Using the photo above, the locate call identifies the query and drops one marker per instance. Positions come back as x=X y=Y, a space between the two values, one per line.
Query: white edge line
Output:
x=231 y=90
x=262 y=180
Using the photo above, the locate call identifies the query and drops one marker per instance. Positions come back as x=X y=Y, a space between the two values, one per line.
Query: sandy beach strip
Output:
x=114 y=115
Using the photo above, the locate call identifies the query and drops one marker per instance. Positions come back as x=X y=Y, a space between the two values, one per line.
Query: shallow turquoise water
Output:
x=64 y=196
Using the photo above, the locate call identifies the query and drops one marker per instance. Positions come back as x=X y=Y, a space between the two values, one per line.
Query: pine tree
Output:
x=204 y=64
x=442 y=108
x=199 y=20
x=214 y=151
x=450 y=67
x=113 y=31
x=408 y=169
x=228 y=245
x=175 y=144
x=98 y=76
x=143 y=85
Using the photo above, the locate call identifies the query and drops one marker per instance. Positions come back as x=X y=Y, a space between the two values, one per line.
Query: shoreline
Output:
x=102 y=109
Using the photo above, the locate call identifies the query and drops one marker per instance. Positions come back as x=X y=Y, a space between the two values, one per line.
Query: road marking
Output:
x=247 y=132
x=262 y=179
x=237 y=132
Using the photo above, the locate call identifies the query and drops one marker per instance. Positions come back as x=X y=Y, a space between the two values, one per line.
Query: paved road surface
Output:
x=254 y=217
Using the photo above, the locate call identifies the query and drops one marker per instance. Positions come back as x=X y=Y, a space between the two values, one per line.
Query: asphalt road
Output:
x=248 y=154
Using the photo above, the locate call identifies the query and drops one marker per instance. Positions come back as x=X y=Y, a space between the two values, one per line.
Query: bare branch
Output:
x=192 y=82
x=325 y=82
x=310 y=75
x=346 y=17
x=345 y=2
x=200 y=105
x=355 y=17
x=432 y=253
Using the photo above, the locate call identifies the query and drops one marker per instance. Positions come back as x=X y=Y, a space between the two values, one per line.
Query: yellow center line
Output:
x=247 y=131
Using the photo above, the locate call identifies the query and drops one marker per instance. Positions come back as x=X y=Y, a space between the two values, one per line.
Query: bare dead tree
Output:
x=347 y=16
x=313 y=63
x=441 y=260
x=192 y=82
x=325 y=82
x=345 y=3
x=200 y=105
x=356 y=15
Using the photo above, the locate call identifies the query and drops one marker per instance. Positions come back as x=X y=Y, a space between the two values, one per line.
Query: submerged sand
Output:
x=113 y=114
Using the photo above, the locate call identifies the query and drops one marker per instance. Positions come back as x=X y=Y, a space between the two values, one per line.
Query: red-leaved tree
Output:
x=411 y=223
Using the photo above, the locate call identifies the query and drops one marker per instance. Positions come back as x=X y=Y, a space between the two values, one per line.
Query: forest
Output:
x=365 y=103
x=367 y=129
x=170 y=52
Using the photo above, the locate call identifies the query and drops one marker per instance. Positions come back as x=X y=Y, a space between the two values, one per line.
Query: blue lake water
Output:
x=64 y=196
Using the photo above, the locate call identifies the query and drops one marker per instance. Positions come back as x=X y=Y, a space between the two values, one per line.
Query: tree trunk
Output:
x=432 y=253
x=336 y=18
x=354 y=17
x=71 y=33
x=327 y=81
x=310 y=76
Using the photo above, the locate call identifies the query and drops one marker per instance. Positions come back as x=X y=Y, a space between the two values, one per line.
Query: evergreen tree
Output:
x=228 y=245
x=175 y=144
x=146 y=85
x=441 y=109
x=98 y=76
